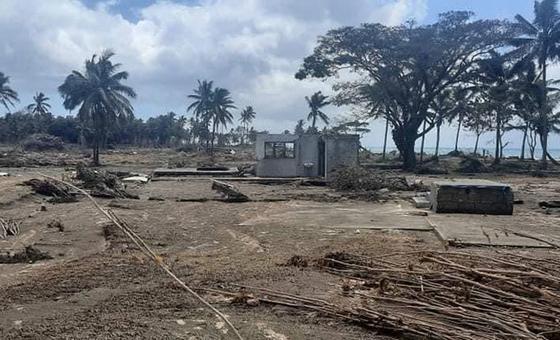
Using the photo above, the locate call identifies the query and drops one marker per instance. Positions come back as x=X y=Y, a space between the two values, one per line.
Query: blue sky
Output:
x=252 y=47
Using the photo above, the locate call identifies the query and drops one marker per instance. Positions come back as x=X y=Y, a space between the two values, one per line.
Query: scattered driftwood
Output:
x=58 y=192
x=102 y=184
x=229 y=192
x=144 y=248
x=444 y=295
x=9 y=227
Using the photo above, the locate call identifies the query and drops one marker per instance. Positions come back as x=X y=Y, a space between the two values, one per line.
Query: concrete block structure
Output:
x=307 y=155
x=472 y=197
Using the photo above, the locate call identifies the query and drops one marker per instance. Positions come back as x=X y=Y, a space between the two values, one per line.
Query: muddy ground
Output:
x=99 y=286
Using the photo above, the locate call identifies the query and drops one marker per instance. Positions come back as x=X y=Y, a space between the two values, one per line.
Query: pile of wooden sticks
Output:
x=449 y=295
x=9 y=227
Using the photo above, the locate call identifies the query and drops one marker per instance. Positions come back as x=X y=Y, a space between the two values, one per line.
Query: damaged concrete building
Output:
x=307 y=155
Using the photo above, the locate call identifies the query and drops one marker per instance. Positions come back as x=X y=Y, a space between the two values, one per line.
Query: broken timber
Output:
x=229 y=192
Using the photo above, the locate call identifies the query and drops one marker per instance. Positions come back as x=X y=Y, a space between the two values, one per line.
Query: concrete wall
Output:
x=341 y=151
x=306 y=151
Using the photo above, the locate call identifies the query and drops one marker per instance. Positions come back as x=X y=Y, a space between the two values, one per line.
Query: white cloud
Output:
x=252 y=47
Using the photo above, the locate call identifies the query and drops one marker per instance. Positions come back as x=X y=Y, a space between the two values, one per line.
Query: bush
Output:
x=43 y=142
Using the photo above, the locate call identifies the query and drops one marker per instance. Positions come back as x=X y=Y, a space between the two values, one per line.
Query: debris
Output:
x=229 y=192
x=421 y=202
x=43 y=207
x=4 y=174
x=28 y=255
x=297 y=261
x=361 y=179
x=57 y=224
x=9 y=227
x=137 y=179
x=443 y=295
x=471 y=165
x=549 y=204
x=60 y=193
x=158 y=260
x=43 y=142
x=102 y=184
x=152 y=198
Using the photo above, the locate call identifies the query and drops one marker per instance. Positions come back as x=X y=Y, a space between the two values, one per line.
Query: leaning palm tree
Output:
x=221 y=114
x=202 y=103
x=316 y=102
x=101 y=96
x=40 y=105
x=247 y=116
x=540 y=40
x=7 y=96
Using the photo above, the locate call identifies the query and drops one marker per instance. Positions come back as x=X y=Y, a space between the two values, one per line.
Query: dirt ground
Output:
x=99 y=286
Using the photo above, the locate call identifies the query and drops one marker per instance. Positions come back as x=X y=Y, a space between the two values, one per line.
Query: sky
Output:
x=251 y=47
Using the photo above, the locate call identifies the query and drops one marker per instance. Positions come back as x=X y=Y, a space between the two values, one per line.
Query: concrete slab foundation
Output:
x=472 y=197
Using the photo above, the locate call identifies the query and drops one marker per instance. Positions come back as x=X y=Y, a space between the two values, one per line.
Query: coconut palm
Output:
x=202 y=103
x=100 y=94
x=247 y=116
x=221 y=105
x=497 y=77
x=40 y=105
x=316 y=102
x=7 y=96
x=540 y=40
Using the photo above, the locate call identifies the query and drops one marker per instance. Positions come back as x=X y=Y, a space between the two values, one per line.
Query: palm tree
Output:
x=40 y=105
x=300 y=127
x=221 y=115
x=540 y=40
x=247 y=116
x=101 y=96
x=7 y=96
x=202 y=103
x=496 y=84
x=316 y=102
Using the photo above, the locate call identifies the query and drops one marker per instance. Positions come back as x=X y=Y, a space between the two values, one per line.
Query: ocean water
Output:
x=508 y=152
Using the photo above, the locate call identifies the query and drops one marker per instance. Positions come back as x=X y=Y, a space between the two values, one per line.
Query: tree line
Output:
x=485 y=75
x=105 y=115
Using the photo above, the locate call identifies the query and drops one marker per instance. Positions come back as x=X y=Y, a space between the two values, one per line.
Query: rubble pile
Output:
x=42 y=142
x=360 y=179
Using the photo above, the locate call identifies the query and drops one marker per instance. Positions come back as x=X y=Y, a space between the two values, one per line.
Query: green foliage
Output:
x=100 y=96
x=399 y=71
x=7 y=96
x=316 y=103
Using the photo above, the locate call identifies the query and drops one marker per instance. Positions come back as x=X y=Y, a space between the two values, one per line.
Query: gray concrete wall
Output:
x=306 y=151
x=341 y=151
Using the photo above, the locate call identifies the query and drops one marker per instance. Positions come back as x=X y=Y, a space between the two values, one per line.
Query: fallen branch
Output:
x=532 y=237
x=148 y=252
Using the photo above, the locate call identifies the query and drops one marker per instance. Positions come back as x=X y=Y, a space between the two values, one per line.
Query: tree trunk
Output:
x=385 y=138
x=458 y=132
x=213 y=135
x=476 y=143
x=524 y=141
x=498 y=138
x=544 y=134
x=544 y=145
x=422 y=144
x=405 y=140
x=437 y=139
x=314 y=121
